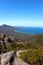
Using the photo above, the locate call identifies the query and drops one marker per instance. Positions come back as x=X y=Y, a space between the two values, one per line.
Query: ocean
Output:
x=30 y=30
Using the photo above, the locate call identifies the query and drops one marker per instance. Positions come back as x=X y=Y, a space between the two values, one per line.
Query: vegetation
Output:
x=33 y=56
x=17 y=46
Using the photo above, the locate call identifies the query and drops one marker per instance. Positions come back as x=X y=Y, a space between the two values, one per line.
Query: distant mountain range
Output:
x=6 y=29
x=10 y=30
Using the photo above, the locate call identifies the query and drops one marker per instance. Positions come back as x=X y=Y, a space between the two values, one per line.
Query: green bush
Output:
x=32 y=56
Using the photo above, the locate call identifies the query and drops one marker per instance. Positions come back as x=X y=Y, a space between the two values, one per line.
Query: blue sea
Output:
x=30 y=30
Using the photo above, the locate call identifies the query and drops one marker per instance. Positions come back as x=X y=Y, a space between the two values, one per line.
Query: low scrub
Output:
x=33 y=56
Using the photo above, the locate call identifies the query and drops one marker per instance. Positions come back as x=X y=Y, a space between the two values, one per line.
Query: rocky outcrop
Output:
x=18 y=61
x=5 y=41
x=5 y=58
x=10 y=58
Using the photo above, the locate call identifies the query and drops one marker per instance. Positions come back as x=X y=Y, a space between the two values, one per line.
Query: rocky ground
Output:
x=10 y=58
x=6 y=41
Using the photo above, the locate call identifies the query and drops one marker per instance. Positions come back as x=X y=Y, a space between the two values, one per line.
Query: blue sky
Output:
x=21 y=12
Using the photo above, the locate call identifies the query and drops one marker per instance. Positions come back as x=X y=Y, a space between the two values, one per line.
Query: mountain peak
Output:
x=6 y=29
x=4 y=25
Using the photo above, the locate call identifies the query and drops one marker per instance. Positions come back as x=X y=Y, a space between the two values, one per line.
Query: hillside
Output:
x=10 y=30
x=30 y=45
x=32 y=52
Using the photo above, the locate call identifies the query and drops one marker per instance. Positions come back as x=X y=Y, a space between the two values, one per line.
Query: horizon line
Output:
x=20 y=25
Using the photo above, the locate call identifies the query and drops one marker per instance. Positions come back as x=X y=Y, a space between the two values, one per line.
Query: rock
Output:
x=6 y=57
x=5 y=42
x=18 y=61
x=10 y=58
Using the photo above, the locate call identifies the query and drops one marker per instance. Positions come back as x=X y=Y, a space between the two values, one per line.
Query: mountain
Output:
x=10 y=30
x=6 y=29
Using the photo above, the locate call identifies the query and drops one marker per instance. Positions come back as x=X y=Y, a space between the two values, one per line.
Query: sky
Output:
x=21 y=12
